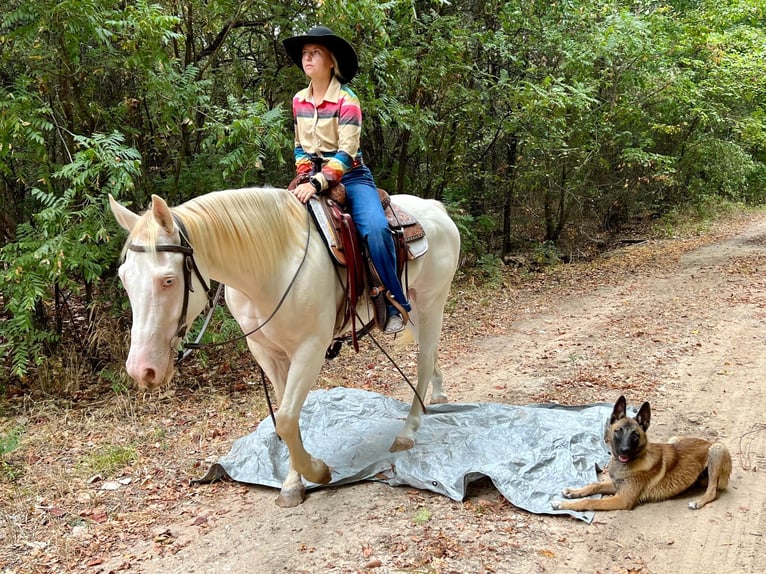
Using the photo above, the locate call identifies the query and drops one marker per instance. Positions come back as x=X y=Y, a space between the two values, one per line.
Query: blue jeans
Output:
x=363 y=203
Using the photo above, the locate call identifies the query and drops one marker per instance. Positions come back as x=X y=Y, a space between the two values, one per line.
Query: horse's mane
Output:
x=252 y=226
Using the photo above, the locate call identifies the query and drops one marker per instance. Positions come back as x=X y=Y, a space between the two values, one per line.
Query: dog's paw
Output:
x=695 y=505
x=568 y=493
x=556 y=504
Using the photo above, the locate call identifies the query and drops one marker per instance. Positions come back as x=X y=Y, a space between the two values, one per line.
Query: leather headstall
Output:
x=189 y=265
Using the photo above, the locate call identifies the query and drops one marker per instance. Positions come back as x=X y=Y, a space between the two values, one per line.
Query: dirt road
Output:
x=684 y=329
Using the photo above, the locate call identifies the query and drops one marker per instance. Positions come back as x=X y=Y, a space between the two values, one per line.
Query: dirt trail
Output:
x=688 y=336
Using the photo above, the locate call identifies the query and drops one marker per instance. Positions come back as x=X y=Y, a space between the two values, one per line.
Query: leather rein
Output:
x=190 y=265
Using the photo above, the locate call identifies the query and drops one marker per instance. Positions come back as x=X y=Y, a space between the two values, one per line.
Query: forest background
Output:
x=545 y=127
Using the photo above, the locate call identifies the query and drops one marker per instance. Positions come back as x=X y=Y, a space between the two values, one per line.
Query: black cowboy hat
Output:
x=343 y=51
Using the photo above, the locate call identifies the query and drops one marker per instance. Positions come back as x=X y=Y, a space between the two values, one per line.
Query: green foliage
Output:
x=223 y=330
x=544 y=254
x=716 y=168
x=8 y=443
x=490 y=269
x=472 y=229
x=66 y=245
x=244 y=135
x=117 y=380
x=24 y=126
x=422 y=516
x=535 y=121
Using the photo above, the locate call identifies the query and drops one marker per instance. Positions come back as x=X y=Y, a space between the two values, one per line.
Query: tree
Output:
x=537 y=123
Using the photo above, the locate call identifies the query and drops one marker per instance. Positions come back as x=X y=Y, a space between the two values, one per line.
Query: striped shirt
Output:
x=330 y=129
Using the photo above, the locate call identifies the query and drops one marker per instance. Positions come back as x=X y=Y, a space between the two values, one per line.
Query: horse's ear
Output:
x=126 y=218
x=161 y=213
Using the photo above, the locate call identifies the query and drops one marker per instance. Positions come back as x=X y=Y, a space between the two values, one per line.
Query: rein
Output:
x=198 y=345
x=191 y=265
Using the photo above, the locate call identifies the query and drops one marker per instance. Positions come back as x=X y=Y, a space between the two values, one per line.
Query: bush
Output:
x=63 y=249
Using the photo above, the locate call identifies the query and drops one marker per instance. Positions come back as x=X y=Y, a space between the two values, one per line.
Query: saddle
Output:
x=339 y=234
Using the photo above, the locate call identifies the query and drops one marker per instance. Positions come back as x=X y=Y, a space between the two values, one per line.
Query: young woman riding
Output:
x=328 y=124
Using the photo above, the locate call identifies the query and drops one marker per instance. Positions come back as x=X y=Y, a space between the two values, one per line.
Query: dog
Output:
x=641 y=471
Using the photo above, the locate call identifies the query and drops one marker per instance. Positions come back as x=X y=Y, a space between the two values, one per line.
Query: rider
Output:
x=328 y=124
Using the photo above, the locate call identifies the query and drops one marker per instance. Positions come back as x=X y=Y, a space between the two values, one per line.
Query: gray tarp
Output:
x=530 y=453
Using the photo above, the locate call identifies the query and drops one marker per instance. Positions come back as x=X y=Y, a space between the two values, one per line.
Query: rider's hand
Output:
x=304 y=192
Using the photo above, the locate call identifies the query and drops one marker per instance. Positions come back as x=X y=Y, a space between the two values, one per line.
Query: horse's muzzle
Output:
x=149 y=374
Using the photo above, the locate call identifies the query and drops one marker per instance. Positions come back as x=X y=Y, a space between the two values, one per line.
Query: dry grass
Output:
x=99 y=465
x=83 y=473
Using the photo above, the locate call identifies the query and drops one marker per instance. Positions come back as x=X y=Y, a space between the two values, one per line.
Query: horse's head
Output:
x=157 y=278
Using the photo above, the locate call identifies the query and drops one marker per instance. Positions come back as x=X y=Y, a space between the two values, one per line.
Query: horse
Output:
x=282 y=288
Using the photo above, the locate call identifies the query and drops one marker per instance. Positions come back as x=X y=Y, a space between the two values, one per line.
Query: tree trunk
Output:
x=401 y=168
x=509 y=189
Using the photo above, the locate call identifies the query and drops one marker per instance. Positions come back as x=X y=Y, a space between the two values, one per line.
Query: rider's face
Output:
x=317 y=62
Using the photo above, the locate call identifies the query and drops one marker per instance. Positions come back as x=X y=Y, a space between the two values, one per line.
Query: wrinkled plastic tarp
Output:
x=529 y=452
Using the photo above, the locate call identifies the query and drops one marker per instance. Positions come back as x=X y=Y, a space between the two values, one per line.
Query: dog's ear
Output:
x=620 y=408
x=644 y=416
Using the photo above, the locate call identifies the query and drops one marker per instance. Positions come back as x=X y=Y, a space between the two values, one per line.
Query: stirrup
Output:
x=393 y=302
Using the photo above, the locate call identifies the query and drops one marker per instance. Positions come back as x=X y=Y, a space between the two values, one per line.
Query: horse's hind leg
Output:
x=426 y=332
x=438 y=396
x=406 y=438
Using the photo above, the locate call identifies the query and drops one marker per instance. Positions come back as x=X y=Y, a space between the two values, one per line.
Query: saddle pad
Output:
x=417 y=247
x=327 y=228
x=529 y=452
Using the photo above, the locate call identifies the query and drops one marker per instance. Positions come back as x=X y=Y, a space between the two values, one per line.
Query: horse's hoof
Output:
x=401 y=444
x=438 y=399
x=291 y=497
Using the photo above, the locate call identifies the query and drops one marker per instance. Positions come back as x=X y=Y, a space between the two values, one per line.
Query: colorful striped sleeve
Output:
x=349 y=115
x=303 y=164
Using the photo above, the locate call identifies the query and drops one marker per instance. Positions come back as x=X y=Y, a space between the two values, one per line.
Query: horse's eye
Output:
x=168 y=281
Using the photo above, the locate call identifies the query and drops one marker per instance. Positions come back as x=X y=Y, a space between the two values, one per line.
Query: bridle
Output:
x=189 y=265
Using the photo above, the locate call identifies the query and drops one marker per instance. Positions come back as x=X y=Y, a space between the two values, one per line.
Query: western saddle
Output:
x=346 y=248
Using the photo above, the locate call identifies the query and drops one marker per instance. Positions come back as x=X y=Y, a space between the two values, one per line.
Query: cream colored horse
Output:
x=262 y=245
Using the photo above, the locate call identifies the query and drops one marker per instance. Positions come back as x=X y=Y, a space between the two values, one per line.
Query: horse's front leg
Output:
x=282 y=374
x=304 y=370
